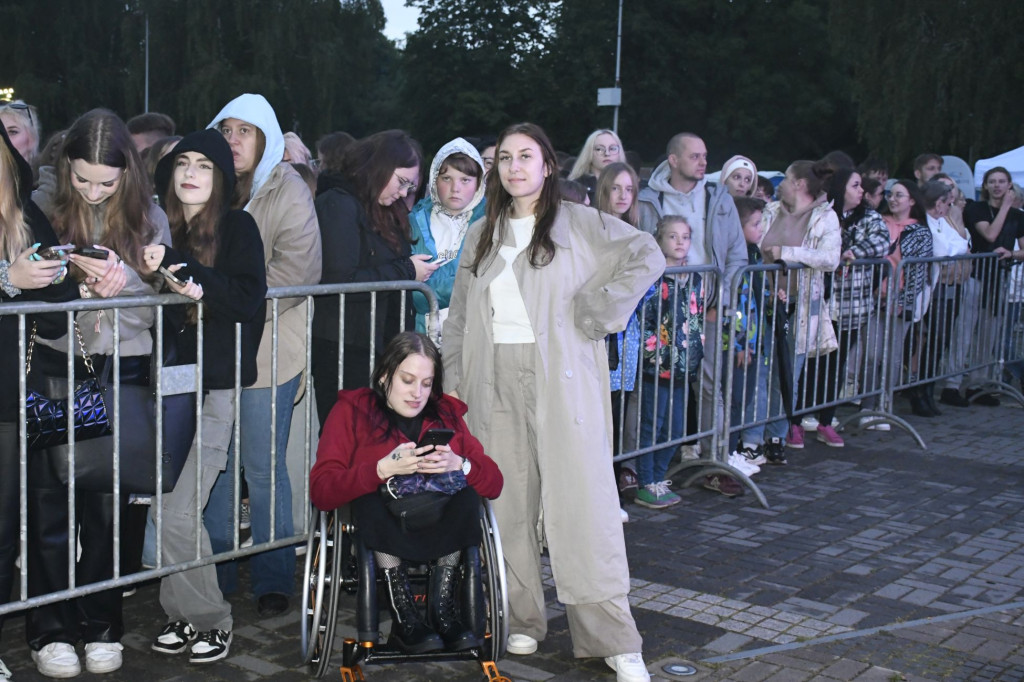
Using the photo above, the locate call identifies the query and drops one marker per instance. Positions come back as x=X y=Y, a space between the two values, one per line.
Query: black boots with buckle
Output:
x=408 y=631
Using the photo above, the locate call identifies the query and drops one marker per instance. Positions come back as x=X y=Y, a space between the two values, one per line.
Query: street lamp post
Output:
x=612 y=97
x=618 y=64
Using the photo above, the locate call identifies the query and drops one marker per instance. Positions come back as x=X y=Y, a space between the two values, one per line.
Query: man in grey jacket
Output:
x=678 y=187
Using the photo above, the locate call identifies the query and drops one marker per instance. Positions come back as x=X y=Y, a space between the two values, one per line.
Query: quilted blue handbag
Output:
x=46 y=419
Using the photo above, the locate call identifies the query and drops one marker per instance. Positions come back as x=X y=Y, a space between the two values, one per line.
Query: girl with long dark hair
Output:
x=542 y=284
x=366 y=236
x=220 y=252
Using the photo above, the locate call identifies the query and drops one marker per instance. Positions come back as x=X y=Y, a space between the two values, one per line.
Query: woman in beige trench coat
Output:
x=541 y=284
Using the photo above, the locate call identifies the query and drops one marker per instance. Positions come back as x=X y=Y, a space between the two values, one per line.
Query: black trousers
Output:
x=94 y=617
x=10 y=499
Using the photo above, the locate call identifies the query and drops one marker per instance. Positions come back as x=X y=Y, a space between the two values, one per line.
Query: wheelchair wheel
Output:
x=320 y=591
x=495 y=585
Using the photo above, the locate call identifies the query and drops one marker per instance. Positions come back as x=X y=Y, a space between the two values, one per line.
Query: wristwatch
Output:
x=466 y=466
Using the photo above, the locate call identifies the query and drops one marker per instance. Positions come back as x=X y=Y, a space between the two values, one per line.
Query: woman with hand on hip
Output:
x=541 y=285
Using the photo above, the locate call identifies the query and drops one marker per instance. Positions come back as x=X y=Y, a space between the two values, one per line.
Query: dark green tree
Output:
x=933 y=77
x=467 y=67
x=323 y=64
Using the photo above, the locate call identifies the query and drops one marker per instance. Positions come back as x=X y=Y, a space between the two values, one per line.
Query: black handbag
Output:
x=418 y=500
x=46 y=417
x=136 y=412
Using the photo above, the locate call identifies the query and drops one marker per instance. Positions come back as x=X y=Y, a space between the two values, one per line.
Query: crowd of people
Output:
x=576 y=324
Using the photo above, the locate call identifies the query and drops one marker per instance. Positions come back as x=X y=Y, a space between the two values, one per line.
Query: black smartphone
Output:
x=93 y=252
x=59 y=252
x=435 y=437
x=171 y=276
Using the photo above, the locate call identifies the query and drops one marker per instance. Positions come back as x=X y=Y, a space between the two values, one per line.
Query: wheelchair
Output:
x=337 y=561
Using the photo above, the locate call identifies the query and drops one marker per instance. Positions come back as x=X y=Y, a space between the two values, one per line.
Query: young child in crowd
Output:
x=672 y=323
x=752 y=337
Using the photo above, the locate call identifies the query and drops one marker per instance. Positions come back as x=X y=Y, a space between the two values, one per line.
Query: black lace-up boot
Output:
x=443 y=610
x=408 y=631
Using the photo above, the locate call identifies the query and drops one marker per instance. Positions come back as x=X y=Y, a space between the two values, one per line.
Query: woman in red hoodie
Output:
x=368 y=439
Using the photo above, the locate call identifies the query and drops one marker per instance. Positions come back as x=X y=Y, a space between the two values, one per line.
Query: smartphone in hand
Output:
x=93 y=252
x=435 y=437
x=171 y=277
x=59 y=252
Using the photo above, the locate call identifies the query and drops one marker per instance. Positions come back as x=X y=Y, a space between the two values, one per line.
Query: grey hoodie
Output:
x=723 y=242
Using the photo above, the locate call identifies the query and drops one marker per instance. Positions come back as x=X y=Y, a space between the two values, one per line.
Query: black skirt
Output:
x=381 y=531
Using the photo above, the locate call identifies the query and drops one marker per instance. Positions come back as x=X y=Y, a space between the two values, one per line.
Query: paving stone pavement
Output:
x=875 y=562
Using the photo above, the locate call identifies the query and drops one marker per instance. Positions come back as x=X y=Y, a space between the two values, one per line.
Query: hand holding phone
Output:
x=170 y=276
x=91 y=252
x=434 y=437
x=59 y=252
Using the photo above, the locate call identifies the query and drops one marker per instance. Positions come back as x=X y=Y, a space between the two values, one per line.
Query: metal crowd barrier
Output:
x=170 y=381
x=754 y=372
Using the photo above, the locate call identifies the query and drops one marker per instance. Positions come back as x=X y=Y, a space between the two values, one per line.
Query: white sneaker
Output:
x=688 y=452
x=754 y=454
x=103 y=657
x=57 y=659
x=871 y=424
x=624 y=514
x=521 y=645
x=741 y=463
x=628 y=668
x=5 y=672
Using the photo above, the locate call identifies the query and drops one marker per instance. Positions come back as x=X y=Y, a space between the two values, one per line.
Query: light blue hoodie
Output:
x=255 y=109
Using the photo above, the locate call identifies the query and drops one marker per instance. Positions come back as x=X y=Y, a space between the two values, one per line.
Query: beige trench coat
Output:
x=601 y=268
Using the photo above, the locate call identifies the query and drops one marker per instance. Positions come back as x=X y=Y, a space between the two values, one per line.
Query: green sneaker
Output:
x=656 y=496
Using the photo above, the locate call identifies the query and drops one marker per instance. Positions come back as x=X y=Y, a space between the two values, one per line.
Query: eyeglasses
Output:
x=607 y=151
x=405 y=183
x=19 y=106
x=901 y=195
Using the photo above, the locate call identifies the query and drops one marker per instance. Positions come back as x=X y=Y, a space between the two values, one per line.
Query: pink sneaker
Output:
x=828 y=436
x=796 y=437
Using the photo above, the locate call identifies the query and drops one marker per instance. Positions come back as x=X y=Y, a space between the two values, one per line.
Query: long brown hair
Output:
x=198 y=237
x=499 y=202
x=604 y=191
x=14 y=233
x=99 y=137
x=368 y=166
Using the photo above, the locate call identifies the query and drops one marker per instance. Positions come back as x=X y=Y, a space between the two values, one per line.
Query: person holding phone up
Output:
x=364 y=227
x=222 y=252
x=369 y=438
x=101 y=200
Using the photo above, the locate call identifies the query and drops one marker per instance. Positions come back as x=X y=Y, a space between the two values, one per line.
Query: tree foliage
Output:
x=772 y=79
x=322 y=64
x=933 y=76
x=469 y=64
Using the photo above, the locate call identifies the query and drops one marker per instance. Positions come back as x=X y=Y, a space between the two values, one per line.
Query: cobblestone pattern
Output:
x=876 y=534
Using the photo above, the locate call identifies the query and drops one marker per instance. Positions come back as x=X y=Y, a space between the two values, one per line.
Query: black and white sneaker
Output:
x=210 y=645
x=175 y=637
x=775 y=451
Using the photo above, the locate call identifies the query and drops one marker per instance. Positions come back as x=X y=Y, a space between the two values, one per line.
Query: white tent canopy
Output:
x=1012 y=161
